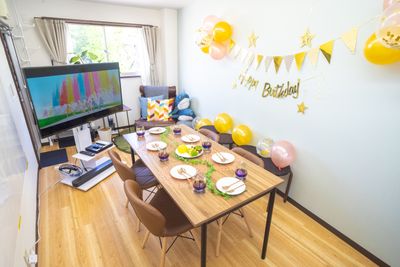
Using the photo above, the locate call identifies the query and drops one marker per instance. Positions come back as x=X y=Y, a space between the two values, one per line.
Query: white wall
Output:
x=28 y=9
x=18 y=194
x=347 y=142
x=169 y=37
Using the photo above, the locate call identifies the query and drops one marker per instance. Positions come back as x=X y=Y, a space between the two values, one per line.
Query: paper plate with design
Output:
x=190 y=138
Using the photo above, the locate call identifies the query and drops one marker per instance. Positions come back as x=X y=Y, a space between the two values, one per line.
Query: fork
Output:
x=221 y=157
x=226 y=187
x=155 y=145
x=233 y=189
x=183 y=172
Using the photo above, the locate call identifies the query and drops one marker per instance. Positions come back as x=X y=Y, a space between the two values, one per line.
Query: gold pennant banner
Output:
x=299 y=58
x=350 y=39
x=313 y=56
x=277 y=62
x=288 y=61
x=327 y=49
x=259 y=60
x=268 y=61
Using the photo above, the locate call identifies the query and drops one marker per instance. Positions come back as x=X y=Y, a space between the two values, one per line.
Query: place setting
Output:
x=190 y=138
x=234 y=186
x=157 y=130
x=156 y=145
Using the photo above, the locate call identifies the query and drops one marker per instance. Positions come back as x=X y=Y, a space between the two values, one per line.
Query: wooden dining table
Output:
x=203 y=208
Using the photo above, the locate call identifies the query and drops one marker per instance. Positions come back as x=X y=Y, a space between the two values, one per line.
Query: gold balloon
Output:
x=203 y=122
x=223 y=123
x=205 y=49
x=222 y=31
x=377 y=53
x=242 y=135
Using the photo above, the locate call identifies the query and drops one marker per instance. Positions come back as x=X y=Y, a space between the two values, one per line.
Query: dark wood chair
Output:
x=149 y=124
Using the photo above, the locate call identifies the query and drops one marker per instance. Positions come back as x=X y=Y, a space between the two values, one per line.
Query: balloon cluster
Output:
x=282 y=153
x=215 y=37
x=383 y=47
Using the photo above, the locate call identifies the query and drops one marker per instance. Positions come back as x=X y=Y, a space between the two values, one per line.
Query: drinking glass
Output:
x=199 y=183
x=163 y=155
x=241 y=171
x=206 y=145
x=177 y=130
x=140 y=132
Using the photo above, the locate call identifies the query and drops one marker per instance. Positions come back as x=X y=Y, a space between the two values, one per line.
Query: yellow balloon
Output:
x=203 y=122
x=223 y=123
x=222 y=31
x=375 y=52
x=242 y=135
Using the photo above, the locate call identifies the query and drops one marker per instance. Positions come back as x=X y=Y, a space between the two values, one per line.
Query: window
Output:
x=109 y=44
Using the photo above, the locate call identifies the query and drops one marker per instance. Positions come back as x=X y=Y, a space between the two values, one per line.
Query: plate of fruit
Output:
x=189 y=151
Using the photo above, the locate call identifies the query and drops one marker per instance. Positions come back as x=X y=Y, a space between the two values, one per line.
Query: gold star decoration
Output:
x=252 y=40
x=306 y=38
x=301 y=108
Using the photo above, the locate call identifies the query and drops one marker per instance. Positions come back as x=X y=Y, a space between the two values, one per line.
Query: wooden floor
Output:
x=95 y=229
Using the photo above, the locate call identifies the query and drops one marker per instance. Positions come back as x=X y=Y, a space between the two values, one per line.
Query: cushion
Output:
x=143 y=104
x=150 y=91
x=159 y=110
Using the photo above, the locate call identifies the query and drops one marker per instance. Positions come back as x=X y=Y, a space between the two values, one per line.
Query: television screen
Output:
x=64 y=97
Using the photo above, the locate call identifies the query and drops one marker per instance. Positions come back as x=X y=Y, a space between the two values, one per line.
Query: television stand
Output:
x=82 y=137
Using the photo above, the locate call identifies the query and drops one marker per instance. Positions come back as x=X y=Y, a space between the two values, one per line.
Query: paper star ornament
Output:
x=252 y=40
x=306 y=39
x=301 y=108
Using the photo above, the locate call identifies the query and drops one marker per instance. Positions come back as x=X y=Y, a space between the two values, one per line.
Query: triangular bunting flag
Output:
x=350 y=39
x=288 y=61
x=231 y=45
x=259 y=60
x=327 y=49
x=299 y=58
x=267 y=61
x=244 y=55
x=313 y=56
x=250 y=59
x=236 y=51
x=277 y=62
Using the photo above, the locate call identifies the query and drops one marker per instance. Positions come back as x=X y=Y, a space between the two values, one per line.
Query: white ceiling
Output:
x=176 y=4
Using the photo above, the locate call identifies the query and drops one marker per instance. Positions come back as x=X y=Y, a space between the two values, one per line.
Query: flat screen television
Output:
x=64 y=97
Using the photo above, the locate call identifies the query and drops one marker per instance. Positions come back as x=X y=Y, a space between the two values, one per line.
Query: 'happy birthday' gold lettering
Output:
x=281 y=90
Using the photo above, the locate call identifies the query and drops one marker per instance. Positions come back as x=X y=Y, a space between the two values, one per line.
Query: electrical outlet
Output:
x=30 y=257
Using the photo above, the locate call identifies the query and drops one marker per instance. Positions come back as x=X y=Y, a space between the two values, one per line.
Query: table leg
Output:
x=268 y=222
x=288 y=186
x=127 y=118
x=203 y=245
x=132 y=155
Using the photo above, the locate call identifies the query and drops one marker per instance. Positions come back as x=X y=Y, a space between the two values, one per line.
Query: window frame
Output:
x=105 y=23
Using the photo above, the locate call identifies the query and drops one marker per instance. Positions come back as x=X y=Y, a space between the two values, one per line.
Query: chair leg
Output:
x=288 y=186
x=146 y=237
x=163 y=251
x=219 y=236
x=127 y=203
x=138 y=225
x=246 y=221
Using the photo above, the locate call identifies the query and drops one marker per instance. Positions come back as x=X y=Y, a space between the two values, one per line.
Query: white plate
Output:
x=239 y=187
x=228 y=156
x=157 y=130
x=156 y=145
x=190 y=170
x=190 y=138
x=187 y=156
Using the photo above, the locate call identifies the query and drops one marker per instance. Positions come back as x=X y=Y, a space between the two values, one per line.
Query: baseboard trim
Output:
x=336 y=232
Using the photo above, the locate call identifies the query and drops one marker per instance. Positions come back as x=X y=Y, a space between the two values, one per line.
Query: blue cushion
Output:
x=143 y=104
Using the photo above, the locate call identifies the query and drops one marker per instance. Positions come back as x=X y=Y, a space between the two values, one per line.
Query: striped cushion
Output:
x=159 y=110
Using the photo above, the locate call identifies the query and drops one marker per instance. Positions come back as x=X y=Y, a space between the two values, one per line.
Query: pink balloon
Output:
x=283 y=154
x=217 y=51
x=209 y=23
x=387 y=3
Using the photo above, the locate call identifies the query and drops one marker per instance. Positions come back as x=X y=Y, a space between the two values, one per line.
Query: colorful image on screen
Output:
x=61 y=98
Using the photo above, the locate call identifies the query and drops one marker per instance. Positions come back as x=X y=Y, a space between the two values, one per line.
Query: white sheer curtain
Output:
x=54 y=36
x=149 y=71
